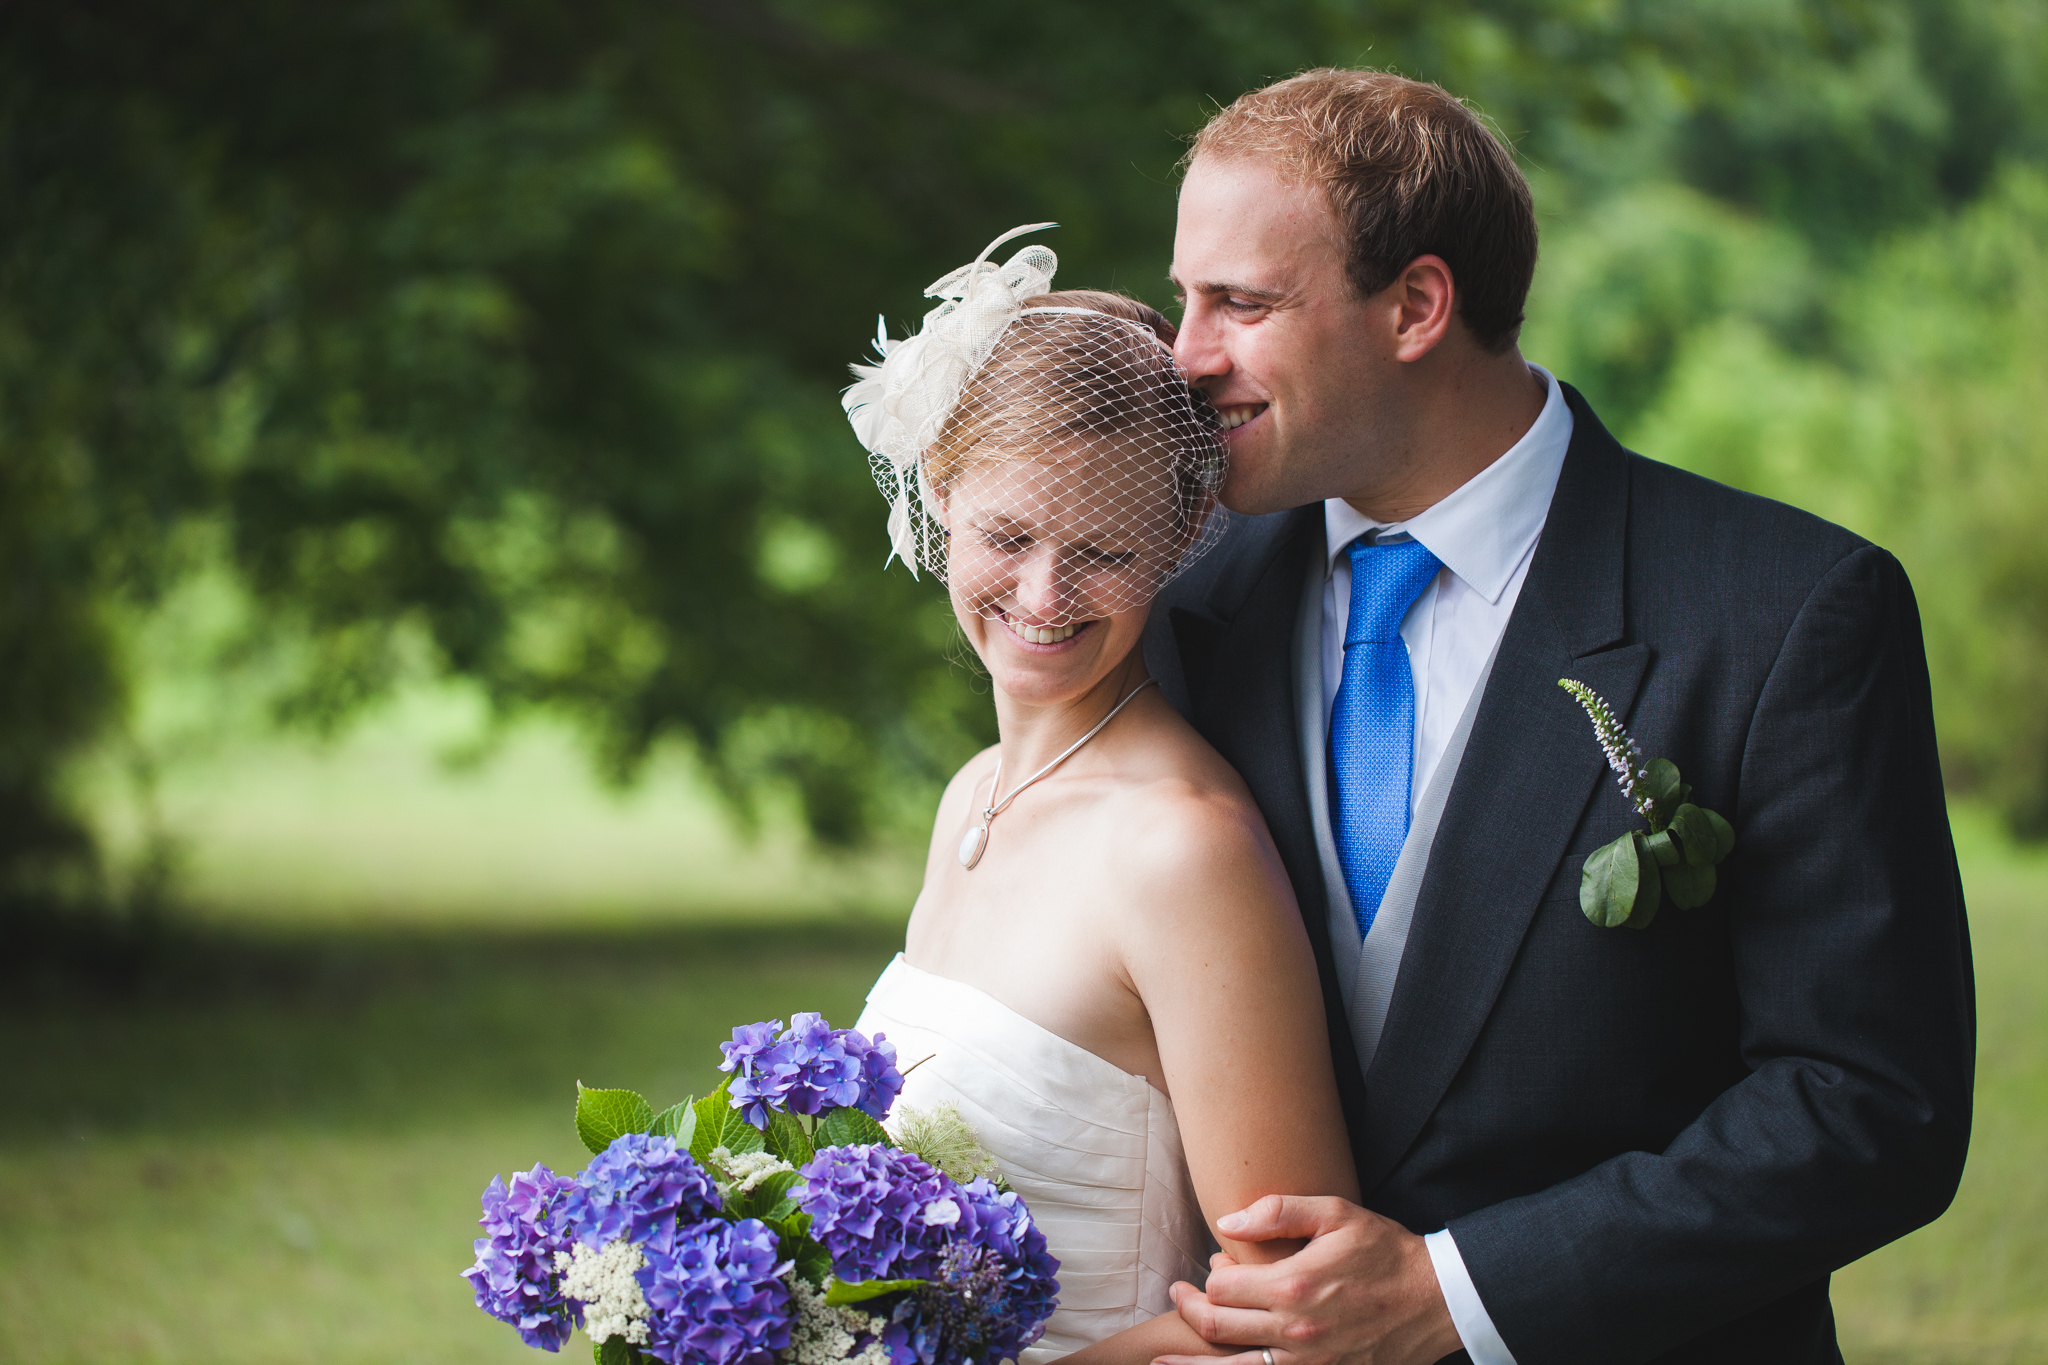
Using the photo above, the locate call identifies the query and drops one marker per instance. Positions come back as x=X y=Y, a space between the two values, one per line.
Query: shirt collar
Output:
x=1483 y=530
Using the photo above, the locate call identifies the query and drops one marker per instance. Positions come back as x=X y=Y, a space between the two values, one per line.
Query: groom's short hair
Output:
x=1409 y=170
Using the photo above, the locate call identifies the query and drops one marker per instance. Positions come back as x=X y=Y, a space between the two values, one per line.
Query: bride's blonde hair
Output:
x=1065 y=378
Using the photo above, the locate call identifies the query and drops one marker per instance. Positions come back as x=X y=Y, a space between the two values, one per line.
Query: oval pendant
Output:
x=971 y=845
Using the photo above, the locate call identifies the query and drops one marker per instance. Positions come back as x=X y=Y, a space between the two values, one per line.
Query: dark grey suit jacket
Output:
x=1649 y=1144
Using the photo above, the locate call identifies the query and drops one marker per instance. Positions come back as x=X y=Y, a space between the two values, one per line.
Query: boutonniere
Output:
x=1624 y=882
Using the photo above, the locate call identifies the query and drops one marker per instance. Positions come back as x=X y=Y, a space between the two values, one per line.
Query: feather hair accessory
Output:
x=898 y=404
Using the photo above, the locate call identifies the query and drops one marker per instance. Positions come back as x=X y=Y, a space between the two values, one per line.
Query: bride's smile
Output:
x=1040 y=636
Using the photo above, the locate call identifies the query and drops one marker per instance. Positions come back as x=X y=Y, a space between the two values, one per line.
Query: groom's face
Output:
x=1275 y=336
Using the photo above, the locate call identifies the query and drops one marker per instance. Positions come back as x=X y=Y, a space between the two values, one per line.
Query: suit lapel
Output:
x=1237 y=654
x=1528 y=769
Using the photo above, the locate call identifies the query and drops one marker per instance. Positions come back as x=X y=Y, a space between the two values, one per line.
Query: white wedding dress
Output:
x=1093 y=1150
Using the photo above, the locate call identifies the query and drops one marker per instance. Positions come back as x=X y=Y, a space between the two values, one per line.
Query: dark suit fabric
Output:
x=1657 y=1143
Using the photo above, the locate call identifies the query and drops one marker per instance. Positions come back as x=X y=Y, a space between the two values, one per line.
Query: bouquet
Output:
x=773 y=1222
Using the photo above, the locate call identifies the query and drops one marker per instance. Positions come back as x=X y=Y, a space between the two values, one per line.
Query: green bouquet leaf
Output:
x=768 y=1201
x=813 y=1262
x=678 y=1121
x=847 y=1128
x=605 y=1115
x=787 y=1139
x=720 y=1125
x=838 y=1293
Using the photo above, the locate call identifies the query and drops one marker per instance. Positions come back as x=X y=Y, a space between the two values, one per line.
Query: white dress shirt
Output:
x=1484 y=534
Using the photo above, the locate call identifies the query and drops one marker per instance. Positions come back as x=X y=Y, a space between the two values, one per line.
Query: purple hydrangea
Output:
x=981 y=1309
x=638 y=1189
x=718 y=1297
x=885 y=1214
x=808 y=1068
x=998 y=1225
x=514 y=1274
x=880 y=1213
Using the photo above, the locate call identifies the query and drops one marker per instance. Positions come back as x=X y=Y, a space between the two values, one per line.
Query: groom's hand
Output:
x=1362 y=1292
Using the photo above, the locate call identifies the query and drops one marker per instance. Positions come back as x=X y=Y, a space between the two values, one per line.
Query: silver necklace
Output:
x=975 y=842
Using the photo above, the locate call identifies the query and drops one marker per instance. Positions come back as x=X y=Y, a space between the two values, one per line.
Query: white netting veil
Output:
x=1041 y=455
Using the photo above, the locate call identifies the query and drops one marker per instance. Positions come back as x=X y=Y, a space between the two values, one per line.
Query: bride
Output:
x=1105 y=972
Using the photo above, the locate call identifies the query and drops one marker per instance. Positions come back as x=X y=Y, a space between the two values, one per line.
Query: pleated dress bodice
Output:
x=1092 y=1149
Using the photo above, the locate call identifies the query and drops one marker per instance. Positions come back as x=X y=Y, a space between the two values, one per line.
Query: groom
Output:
x=1577 y=1144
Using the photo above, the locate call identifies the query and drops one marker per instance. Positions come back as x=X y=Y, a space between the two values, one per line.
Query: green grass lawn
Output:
x=270 y=1148
x=276 y=1157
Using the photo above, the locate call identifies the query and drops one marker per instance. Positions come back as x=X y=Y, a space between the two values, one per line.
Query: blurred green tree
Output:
x=509 y=335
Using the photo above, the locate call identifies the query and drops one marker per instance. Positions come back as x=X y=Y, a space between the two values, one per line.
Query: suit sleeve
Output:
x=1851 y=966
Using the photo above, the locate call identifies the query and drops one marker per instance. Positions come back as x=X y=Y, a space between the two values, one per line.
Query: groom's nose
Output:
x=1198 y=350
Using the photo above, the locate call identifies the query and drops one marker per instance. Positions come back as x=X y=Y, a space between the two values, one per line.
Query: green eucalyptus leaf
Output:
x=1664 y=849
x=604 y=1115
x=1724 y=836
x=1689 y=886
x=1661 y=785
x=849 y=1127
x=1649 y=892
x=1608 y=883
x=1696 y=832
x=678 y=1121
x=838 y=1293
x=786 y=1138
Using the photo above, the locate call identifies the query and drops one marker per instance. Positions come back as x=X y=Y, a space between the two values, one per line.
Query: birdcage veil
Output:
x=1048 y=463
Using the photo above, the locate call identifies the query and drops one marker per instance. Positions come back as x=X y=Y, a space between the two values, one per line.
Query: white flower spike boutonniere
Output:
x=1624 y=882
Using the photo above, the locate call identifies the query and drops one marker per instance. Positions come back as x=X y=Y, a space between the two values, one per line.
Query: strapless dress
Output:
x=1093 y=1150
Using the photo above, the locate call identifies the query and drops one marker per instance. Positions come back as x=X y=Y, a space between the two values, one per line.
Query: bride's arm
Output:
x=1216 y=951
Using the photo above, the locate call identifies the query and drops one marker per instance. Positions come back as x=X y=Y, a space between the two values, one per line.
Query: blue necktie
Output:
x=1372 y=721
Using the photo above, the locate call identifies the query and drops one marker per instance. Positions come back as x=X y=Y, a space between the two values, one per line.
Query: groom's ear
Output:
x=1423 y=301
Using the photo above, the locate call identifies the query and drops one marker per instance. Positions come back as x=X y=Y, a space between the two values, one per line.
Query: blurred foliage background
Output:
x=502 y=341
x=345 y=348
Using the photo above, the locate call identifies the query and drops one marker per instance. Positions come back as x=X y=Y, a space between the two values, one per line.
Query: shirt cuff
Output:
x=1475 y=1328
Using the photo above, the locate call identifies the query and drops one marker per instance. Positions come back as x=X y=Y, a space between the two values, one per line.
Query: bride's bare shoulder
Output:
x=974 y=772
x=1191 y=842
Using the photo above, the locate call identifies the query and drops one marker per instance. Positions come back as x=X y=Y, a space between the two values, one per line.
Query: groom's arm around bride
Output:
x=1576 y=1143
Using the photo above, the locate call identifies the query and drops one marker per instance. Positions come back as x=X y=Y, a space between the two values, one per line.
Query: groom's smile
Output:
x=1238 y=414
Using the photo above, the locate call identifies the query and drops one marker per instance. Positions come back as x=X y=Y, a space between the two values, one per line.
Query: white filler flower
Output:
x=746 y=1170
x=824 y=1335
x=602 y=1281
